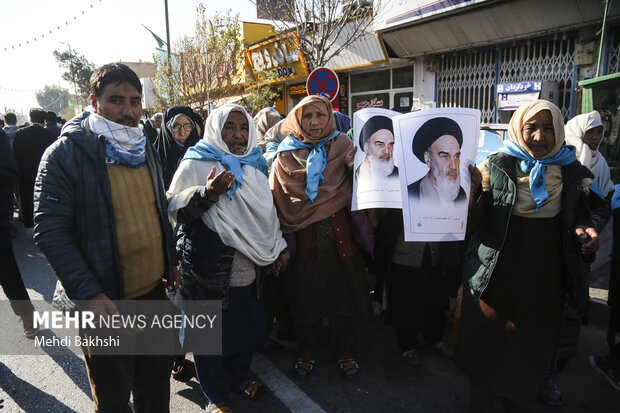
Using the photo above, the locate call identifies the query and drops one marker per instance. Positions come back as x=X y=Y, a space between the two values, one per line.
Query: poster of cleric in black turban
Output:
x=435 y=148
x=375 y=183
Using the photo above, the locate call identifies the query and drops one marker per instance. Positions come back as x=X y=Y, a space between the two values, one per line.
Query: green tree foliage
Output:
x=166 y=80
x=260 y=95
x=79 y=69
x=183 y=78
x=53 y=98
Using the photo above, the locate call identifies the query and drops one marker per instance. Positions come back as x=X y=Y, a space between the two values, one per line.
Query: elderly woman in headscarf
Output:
x=311 y=181
x=585 y=133
x=178 y=132
x=264 y=120
x=532 y=231
x=229 y=236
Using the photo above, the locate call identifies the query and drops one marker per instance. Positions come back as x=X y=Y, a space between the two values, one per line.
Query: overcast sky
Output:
x=109 y=31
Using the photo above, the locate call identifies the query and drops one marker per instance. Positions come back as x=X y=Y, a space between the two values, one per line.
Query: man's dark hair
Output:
x=115 y=73
x=10 y=118
x=50 y=117
x=37 y=115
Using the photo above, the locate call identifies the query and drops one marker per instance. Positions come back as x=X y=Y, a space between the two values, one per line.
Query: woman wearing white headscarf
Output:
x=585 y=133
x=532 y=230
x=229 y=236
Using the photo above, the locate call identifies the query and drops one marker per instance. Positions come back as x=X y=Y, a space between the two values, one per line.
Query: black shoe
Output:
x=601 y=364
x=183 y=370
x=550 y=394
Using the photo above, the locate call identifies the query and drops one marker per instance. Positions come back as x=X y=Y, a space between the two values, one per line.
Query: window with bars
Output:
x=468 y=80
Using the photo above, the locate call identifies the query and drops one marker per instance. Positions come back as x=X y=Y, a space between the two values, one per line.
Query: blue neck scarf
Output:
x=134 y=157
x=537 y=168
x=615 y=199
x=315 y=164
x=202 y=151
x=272 y=146
x=124 y=145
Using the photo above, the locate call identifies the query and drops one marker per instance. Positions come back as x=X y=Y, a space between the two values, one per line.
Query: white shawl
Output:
x=247 y=222
x=575 y=130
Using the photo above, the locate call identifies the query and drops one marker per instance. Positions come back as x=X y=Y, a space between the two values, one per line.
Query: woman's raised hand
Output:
x=220 y=184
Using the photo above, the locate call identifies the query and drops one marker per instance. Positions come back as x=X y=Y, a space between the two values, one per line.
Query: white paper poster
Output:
x=375 y=182
x=434 y=148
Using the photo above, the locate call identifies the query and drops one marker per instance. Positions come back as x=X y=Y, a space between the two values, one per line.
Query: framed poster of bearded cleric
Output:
x=375 y=182
x=434 y=148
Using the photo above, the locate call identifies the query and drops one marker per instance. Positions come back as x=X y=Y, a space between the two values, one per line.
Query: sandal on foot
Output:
x=349 y=368
x=444 y=350
x=303 y=368
x=252 y=389
x=182 y=370
x=412 y=357
x=212 y=408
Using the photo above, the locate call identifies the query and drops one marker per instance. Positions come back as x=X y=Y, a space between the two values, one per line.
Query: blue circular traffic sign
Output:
x=323 y=82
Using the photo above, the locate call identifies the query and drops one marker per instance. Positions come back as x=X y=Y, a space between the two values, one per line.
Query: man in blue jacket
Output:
x=100 y=218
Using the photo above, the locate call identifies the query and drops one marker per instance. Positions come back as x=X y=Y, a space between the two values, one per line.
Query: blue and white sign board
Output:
x=323 y=82
x=520 y=87
x=512 y=101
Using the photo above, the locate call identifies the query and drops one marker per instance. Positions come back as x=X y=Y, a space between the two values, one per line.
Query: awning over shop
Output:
x=364 y=51
x=492 y=23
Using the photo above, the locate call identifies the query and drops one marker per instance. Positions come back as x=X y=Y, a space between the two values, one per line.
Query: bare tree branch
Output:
x=324 y=27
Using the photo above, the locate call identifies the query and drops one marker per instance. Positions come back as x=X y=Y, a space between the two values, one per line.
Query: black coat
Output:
x=8 y=175
x=28 y=147
x=614 y=277
x=149 y=131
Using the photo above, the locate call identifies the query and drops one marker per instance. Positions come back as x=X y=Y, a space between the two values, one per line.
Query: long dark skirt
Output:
x=525 y=288
x=416 y=303
x=324 y=285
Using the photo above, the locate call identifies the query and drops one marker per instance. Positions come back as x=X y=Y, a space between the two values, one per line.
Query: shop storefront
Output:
x=471 y=63
x=278 y=62
x=388 y=88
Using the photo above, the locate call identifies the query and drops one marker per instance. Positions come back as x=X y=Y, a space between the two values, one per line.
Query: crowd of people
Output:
x=255 y=212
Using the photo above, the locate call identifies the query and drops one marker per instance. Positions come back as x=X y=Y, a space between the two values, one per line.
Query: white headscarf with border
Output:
x=575 y=130
x=247 y=222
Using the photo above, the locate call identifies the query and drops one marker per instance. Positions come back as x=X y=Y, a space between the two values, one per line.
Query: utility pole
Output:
x=171 y=85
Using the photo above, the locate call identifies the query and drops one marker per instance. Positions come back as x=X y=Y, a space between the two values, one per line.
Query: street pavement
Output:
x=58 y=383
